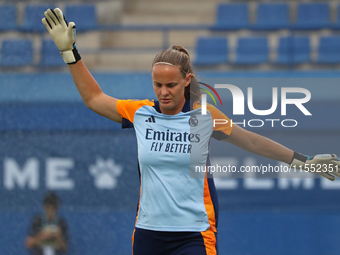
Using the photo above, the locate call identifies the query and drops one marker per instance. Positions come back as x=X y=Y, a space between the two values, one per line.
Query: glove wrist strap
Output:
x=298 y=159
x=70 y=56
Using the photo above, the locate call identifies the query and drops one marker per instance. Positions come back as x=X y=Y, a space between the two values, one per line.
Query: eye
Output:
x=157 y=84
x=171 y=85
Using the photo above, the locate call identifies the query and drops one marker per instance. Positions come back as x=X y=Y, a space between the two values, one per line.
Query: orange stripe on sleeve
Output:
x=128 y=108
x=223 y=126
x=216 y=114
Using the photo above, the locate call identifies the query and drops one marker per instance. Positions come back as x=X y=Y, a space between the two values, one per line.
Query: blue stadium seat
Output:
x=16 y=52
x=232 y=16
x=313 y=16
x=50 y=55
x=211 y=51
x=293 y=50
x=272 y=16
x=252 y=50
x=337 y=23
x=83 y=15
x=33 y=14
x=329 y=50
x=8 y=17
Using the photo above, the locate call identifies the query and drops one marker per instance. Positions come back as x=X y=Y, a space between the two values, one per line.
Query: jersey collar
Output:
x=186 y=107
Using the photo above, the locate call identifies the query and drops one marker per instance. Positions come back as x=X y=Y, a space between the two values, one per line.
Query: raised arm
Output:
x=63 y=35
x=93 y=96
x=325 y=165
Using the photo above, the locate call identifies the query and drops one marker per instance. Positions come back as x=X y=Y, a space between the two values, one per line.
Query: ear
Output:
x=188 y=79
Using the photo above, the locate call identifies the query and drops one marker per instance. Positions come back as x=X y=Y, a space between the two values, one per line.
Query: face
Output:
x=169 y=86
x=50 y=211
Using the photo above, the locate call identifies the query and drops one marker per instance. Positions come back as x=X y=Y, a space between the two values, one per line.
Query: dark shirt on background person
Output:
x=48 y=233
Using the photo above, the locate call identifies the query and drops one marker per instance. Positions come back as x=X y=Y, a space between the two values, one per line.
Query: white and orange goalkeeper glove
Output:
x=325 y=165
x=63 y=34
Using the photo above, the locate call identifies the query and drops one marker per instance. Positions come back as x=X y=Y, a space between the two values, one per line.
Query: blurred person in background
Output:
x=48 y=233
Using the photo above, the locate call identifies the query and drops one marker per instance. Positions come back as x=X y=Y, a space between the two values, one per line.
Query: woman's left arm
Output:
x=259 y=145
x=325 y=165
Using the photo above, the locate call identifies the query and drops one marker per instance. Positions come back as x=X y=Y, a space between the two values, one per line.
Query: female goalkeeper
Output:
x=176 y=214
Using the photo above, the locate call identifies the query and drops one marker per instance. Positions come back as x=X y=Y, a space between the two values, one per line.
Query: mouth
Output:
x=165 y=100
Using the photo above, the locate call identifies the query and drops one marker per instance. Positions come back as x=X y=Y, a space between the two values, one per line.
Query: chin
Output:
x=166 y=106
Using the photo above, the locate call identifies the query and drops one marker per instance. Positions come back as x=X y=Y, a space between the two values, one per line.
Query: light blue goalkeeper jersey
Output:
x=170 y=147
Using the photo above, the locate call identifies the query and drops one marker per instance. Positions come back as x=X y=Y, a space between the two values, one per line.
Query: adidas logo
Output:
x=151 y=119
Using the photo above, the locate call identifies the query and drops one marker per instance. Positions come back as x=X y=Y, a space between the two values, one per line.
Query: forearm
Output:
x=63 y=35
x=32 y=241
x=260 y=145
x=268 y=148
x=87 y=86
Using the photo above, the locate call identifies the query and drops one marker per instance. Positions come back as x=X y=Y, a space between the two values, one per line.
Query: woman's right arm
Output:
x=63 y=35
x=91 y=93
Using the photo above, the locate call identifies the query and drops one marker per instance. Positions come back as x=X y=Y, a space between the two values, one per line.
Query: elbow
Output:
x=90 y=103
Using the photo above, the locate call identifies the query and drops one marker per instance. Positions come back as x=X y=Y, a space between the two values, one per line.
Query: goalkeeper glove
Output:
x=63 y=34
x=325 y=165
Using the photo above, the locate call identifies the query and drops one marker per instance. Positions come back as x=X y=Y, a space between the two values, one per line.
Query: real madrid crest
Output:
x=193 y=121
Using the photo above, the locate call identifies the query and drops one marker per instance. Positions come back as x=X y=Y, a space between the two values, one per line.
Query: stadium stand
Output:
x=33 y=14
x=313 y=16
x=137 y=40
x=16 y=52
x=272 y=16
x=211 y=51
x=8 y=17
x=231 y=16
x=329 y=50
x=50 y=55
x=252 y=50
x=83 y=15
x=293 y=50
x=336 y=25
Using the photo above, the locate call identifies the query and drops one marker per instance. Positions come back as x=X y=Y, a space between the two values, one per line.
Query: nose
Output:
x=165 y=91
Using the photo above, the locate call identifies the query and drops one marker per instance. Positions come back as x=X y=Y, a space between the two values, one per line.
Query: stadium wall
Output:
x=49 y=140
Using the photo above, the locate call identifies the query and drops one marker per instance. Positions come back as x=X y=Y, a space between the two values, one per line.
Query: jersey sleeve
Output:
x=222 y=124
x=128 y=108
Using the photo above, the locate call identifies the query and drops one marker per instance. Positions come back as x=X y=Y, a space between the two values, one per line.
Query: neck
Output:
x=174 y=110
